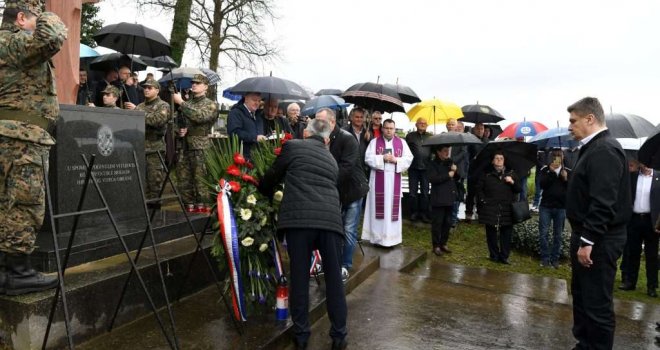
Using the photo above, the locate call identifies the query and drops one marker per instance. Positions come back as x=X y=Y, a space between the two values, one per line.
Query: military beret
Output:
x=34 y=6
x=151 y=82
x=200 y=78
x=111 y=89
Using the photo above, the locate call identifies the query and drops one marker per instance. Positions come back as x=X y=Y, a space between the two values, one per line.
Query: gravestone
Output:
x=112 y=135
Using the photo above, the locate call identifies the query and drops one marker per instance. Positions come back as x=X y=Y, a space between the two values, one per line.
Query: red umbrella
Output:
x=522 y=129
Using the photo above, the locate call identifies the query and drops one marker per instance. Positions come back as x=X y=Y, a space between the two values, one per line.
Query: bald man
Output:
x=417 y=177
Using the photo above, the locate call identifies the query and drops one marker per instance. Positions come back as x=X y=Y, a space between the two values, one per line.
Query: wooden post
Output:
x=67 y=61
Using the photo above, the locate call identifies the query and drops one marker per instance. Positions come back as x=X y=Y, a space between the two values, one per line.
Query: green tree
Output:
x=89 y=24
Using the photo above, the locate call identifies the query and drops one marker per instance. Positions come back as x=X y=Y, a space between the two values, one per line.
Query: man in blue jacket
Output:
x=243 y=122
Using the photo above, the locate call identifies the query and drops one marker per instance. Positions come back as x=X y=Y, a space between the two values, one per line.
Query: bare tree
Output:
x=230 y=31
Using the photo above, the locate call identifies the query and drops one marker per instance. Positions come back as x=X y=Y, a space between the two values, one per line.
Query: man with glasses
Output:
x=29 y=38
x=388 y=157
x=200 y=114
x=157 y=113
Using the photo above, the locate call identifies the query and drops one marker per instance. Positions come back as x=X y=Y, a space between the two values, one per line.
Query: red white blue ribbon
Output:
x=279 y=271
x=316 y=259
x=229 y=235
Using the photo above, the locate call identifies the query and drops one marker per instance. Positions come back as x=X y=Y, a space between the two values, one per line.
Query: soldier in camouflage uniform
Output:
x=200 y=113
x=29 y=37
x=110 y=96
x=155 y=120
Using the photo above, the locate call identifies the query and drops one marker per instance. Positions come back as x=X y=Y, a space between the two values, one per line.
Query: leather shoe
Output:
x=505 y=261
x=339 y=344
x=445 y=249
x=626 y=286
x=414 y=217
x=426 y=219
x=437 y=251
x=652 y=293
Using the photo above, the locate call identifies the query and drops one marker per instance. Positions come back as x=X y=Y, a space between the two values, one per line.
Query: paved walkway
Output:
x=441 y=306
x=399 y=300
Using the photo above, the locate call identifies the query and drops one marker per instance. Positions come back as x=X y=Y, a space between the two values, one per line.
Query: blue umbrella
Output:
x=554 y=138
x=86 y=51
x=226 y=93
x=323 y=101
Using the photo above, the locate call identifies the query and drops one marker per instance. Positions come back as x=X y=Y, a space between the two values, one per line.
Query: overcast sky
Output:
x=527 y=59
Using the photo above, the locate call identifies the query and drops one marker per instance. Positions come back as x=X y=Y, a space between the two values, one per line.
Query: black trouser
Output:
x=591 y=287
x=640 y=230
x=300 y=244
x=441 y=224
x=469 y=198
x=419 y=202
x=499 y=252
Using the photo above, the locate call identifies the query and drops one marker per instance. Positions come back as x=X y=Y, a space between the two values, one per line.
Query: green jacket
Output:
x=201 y=114
x=157 y=114
x=27 y=80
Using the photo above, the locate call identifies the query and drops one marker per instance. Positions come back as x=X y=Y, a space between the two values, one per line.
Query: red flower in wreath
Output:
x=239 y=159
x=233 y=170
x=287 y=137
x=248 y=178
x=249 y=165
x=277 y=151
x=235 y=186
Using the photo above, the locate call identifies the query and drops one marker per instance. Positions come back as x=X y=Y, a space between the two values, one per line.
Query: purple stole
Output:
x=380 y=181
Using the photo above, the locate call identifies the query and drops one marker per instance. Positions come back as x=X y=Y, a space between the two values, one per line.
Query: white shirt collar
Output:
x=586 y=140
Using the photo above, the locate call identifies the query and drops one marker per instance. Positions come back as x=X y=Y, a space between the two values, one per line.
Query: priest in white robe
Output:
x=388 y=156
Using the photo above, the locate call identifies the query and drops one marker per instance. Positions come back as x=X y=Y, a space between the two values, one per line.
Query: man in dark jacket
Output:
x=243 y=123
x=271 y=121
x=417 y=178
x=598 y=206
x=645 y=190
x=353 y=184
x=310 y=217
x=358 y=129
x=553 y=180
x=473 y=150
x=442 y=176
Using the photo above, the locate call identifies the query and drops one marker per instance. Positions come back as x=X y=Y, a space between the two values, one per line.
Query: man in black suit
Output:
x=645 y=185
x=310 y=217
x=598 y=207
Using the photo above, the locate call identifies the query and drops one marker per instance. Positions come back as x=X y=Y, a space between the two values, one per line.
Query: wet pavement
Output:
x=443 y=306
x=402 y=299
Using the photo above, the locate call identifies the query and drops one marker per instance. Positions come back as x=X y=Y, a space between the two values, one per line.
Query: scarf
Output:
x=380 y=181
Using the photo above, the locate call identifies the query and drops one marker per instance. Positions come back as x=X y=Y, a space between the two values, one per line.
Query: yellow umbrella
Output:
x=435 y=111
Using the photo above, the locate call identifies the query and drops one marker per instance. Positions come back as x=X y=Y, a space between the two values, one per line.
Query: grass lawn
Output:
x=468 y=245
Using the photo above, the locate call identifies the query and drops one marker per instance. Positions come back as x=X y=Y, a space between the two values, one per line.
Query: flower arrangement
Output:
x=253 y=255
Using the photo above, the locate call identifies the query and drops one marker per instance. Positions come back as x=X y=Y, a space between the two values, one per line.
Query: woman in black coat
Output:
x=442 y=175
x=497 y=189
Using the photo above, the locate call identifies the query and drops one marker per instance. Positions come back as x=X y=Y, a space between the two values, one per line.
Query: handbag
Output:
x=520 y=212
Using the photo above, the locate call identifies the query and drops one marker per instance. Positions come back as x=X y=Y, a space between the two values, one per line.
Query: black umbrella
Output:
x=115 y=60
x=452 y=138
x=160 y=61
x=480 y=114
x=649 y=153
x=271 y=87
x=374 y=96
x=518 y=156
x=406 y=94
x=623 y=125
x=335 y=92
x=133 y=38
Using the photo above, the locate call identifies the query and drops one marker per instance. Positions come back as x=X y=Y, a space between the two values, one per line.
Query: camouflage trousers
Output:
x=190 y=174
x=22 y=194
x=155 y=173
